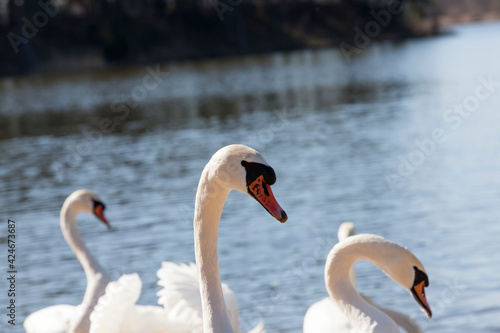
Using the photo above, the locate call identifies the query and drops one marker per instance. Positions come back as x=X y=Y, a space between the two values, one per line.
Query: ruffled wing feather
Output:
x=180 y=296
x=117 y=302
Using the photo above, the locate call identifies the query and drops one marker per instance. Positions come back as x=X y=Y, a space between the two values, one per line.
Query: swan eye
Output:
x=255 y=170
x=99 y=212
x=259 y=178
x=420 y=277
x=98 y=203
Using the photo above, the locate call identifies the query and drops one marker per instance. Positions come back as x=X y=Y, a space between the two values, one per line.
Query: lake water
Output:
x=375 y=142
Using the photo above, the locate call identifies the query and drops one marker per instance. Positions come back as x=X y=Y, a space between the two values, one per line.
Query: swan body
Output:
x=326 y=316
x=362 y=316
x=69 y=318
x=52 y=319
x=194 y=294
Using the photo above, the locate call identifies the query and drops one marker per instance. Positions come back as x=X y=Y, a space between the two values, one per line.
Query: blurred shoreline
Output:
x=47 y=37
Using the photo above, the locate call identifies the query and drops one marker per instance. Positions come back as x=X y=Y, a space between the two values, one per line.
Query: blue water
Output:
x=344 y=139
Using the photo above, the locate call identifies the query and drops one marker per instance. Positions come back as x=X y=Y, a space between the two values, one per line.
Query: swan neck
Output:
x=97 y=279
x=362 y=315
x=210 y=199
x=72 y=236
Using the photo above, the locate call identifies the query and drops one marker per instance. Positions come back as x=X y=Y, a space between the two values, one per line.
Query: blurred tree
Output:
x=139 y=31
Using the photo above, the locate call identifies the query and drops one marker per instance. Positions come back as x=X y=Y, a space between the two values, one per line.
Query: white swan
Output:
x=397 y=262
x=215 y=309
x=325 y=315
x=233 y=167
x=69 y=318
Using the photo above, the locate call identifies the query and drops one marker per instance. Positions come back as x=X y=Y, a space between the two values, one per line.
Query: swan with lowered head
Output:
x=394 y=260
x=234 y=167
x=69 y=318
x=325 y=315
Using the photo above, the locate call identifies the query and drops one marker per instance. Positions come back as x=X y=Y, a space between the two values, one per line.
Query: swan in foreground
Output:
x=394 y=260
x=193 y=297
x=234 y=167
x=325 y=315
x=70 y=318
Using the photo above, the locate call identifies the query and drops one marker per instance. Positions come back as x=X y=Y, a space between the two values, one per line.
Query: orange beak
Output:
x=263 y=194
x=418 y=292
x=99 y=212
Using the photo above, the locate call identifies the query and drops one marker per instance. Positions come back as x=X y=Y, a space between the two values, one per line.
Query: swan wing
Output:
x=151 y=319
x=180 y=296
x=116 y=304
x=117 y=311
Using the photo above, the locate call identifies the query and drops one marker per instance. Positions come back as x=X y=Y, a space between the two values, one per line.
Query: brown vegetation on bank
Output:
x=45 y=35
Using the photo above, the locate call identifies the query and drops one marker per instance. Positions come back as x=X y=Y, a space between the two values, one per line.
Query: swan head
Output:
x=346 y=229
x=418 y=290
x=405 y=269
x=412 y=277
x=241 y=168
x=87 y=202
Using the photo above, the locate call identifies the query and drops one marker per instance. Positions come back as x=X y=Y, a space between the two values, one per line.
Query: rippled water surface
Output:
x=375 y=142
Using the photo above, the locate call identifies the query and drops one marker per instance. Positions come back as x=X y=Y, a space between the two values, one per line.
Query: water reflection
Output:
x=177 y=111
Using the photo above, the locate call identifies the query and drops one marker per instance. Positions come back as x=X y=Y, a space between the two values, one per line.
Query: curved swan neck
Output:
x=210 y=199
x=364 y=316
x=72 y=236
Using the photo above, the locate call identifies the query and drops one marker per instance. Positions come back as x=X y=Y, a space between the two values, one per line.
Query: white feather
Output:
x=117 y=312
x=180 y=296
x=119 y=298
